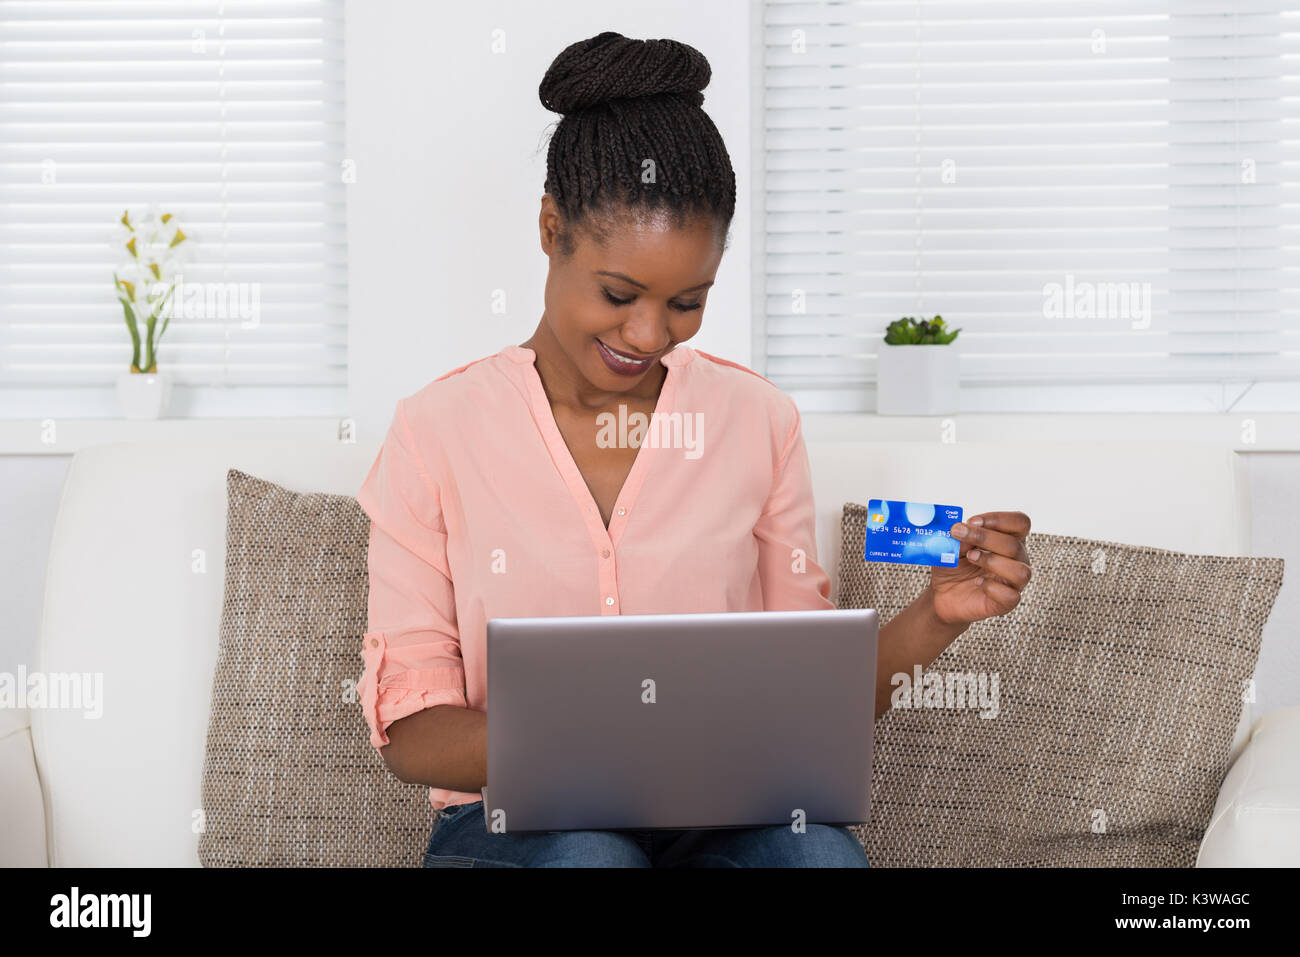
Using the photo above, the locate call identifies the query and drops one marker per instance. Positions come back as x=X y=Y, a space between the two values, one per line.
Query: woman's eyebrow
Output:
x=629 y=279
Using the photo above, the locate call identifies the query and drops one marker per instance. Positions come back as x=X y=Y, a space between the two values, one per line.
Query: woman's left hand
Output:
x=992 y=571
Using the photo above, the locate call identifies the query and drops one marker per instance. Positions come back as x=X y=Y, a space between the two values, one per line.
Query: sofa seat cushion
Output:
x=1256 y=821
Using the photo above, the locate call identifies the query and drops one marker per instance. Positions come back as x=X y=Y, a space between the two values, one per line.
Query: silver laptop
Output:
x=680 y=721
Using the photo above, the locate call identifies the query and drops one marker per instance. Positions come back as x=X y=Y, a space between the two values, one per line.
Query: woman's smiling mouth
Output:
x=621 y=363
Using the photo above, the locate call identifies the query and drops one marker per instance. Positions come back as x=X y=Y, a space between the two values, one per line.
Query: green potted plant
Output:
x=918 y=371
x=151 y=251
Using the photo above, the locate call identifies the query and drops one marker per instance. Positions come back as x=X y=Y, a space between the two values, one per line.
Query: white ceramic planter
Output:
x=918 y=380
x=143 y=395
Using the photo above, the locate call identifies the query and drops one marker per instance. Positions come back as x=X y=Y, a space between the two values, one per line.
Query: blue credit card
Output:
x=911 y=533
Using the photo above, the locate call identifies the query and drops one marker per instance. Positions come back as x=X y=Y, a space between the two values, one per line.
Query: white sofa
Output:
x=134 y=591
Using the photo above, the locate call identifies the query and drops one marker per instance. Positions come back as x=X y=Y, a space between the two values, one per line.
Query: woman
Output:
x=513 y=487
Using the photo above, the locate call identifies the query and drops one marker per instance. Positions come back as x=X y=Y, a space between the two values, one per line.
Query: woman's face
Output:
x=614 y=308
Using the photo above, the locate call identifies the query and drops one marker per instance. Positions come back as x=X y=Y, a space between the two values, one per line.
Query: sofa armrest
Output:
x=22 y=807
x=1256 y=820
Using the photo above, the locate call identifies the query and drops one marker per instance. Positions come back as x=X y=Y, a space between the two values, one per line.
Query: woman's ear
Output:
x=549 y=225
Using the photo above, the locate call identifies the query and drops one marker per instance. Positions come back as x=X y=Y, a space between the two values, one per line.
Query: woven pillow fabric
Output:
x=1120 y=679
x=290 y=778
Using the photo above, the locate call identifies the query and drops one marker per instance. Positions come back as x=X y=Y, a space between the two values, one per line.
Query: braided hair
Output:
x=633 y=137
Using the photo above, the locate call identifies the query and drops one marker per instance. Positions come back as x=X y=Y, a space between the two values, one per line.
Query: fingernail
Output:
x=973 y=554
x=959 y=530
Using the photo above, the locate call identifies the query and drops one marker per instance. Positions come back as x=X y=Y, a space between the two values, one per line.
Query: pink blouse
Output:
x=478 y=511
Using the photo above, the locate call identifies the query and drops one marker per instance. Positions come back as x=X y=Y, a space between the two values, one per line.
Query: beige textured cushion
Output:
x=1121 y=676
x=290 y=777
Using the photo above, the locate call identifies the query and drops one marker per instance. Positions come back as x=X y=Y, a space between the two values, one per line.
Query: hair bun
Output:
x=610 y=66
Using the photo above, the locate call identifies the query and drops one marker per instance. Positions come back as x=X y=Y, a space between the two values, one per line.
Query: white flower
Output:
x=151 y=250
x=133 y=279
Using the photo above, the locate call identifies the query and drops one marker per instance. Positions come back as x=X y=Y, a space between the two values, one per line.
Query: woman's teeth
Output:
x=621 y=359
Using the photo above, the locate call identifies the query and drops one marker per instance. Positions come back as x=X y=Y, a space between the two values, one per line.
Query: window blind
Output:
x=229 y=115
x=1094 y=192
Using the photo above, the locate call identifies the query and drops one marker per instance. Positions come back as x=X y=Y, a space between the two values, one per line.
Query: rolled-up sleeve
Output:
x=787 y=534
x=411 y=650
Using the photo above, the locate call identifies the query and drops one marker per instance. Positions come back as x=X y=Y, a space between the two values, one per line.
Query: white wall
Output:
x=1275 y=531
x=450 y=150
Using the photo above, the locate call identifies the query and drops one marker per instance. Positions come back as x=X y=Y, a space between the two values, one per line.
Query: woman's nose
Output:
x=646 y=343
x=646 y=333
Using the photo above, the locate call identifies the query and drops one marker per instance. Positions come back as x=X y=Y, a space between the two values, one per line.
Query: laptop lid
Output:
x=680 y=721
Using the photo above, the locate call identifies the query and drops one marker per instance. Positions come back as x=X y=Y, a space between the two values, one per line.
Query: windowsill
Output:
x=186 y=402
x=65 y=436
x=1273 y=431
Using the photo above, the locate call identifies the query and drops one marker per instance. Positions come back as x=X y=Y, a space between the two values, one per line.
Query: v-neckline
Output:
x=544 y=415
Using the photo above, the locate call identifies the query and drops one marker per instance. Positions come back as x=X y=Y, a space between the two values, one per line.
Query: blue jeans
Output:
x=460 y=839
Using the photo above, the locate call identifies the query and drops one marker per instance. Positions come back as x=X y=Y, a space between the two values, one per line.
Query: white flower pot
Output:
x=918 y=380
x=143 y=395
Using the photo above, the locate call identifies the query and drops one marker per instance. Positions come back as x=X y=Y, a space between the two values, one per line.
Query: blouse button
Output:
x=609 y=599
x=604 y=553
x=374 y=642
x=622 y=510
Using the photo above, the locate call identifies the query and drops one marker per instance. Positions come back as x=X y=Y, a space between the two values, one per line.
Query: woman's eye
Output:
x=680 y=307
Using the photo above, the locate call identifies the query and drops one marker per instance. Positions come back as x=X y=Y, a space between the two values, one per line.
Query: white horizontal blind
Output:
x=228 y=115
x=976 y=159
